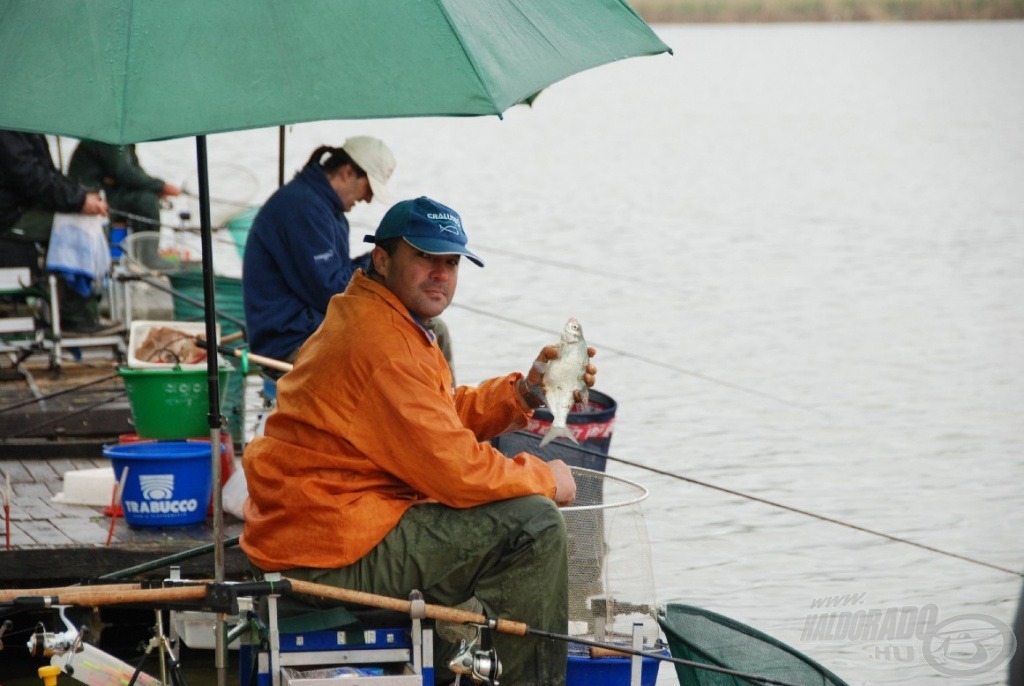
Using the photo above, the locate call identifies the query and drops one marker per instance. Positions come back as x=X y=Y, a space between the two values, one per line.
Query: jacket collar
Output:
x=362 y=284
x=316 y=178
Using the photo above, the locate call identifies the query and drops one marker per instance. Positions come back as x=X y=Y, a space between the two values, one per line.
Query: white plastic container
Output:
x=141 y=329
x=198 y=629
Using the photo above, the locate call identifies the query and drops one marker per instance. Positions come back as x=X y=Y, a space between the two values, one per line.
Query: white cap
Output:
x=376 y=160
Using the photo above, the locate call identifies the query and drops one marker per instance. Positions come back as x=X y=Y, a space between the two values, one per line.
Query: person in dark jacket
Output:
x=31 y=190
x=115 y=169
x=297 y=253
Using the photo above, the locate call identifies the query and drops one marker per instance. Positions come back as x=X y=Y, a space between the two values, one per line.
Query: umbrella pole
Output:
x=280 y=156
x=213 y=386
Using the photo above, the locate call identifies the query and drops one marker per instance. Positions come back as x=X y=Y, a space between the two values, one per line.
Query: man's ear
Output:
x=379 y=257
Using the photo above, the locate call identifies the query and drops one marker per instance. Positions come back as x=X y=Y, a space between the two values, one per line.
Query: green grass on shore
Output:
x=826 y=10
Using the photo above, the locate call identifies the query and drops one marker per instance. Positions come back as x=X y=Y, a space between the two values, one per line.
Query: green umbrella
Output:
x=127 y=71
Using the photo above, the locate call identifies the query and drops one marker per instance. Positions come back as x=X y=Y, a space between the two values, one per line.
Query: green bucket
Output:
x=228 y=294
x=169 y=403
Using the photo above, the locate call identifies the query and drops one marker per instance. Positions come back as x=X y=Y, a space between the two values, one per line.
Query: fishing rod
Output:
x=167 y=560
x=10 y=594
x=178 y=229
x=98 y=595
x=807 y=513
x=654 y=362
x=245 y=356
x=141 y=219
x=117 y=594
x=181 y=296
x=505 y=626
x=54 y=394
x=68 y=415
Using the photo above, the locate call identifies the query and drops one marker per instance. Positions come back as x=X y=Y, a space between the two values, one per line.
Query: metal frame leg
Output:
x=56 y=355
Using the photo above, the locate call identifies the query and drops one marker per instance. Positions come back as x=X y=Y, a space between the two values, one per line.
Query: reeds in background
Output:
x=701 y=11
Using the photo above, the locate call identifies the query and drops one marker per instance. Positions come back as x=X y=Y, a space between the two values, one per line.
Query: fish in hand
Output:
x=563 y=378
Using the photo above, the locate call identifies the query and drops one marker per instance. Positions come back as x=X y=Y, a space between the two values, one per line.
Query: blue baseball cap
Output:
x=426 y=225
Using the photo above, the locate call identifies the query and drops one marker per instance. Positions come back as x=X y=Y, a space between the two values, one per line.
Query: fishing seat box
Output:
x=326 y=647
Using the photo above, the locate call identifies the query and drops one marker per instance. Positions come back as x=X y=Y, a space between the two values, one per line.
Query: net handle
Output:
x=641 y=495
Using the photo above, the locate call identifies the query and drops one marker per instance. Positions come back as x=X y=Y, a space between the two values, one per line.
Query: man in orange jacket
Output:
x=375 y=474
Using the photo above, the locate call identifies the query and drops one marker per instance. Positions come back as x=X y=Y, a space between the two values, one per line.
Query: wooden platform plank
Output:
x=44 y=533
x=32 y=489
x=41 y=471
x=15 y=470
x=86 y=531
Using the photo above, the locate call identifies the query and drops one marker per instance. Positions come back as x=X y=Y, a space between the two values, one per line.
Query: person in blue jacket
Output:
x=297 y=253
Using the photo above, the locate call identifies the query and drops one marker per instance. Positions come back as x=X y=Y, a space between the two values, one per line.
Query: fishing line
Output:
x=558 y=263
x=651 y=361
x=222 y=201
x=806 y=513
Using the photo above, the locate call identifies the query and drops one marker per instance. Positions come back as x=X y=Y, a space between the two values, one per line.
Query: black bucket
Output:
x=591 y=425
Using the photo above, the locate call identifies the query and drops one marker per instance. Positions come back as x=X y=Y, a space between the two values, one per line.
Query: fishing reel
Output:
x=475 y=661
x=45 y=643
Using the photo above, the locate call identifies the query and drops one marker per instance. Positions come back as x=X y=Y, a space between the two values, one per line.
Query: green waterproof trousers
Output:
x=508 y=555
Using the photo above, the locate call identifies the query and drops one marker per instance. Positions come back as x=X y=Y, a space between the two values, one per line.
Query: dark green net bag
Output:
x=703 y=636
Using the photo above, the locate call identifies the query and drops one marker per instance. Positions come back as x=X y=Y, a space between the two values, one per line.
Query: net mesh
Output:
x=703 y=636
x=611 y=582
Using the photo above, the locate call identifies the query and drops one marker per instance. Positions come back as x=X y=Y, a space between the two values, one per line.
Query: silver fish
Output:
x=563 y=377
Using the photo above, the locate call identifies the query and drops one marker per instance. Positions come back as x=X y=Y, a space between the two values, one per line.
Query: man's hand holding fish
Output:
x=531 y=386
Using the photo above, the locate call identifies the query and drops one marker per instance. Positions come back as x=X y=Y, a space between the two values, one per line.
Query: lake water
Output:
x=799 y=250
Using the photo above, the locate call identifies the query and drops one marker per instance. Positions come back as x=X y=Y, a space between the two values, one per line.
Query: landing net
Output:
x=611 y=581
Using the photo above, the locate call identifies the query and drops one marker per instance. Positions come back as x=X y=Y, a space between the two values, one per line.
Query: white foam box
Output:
x=141 y=328
x=94 y=487
x=197 y=629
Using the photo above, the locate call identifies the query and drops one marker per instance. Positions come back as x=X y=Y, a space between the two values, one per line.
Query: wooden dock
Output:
x=53 y=543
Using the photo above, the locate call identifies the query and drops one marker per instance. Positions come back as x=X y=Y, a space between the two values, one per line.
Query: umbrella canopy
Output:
x=127 y=71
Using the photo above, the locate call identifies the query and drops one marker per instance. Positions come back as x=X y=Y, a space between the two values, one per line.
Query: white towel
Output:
x=78 y=249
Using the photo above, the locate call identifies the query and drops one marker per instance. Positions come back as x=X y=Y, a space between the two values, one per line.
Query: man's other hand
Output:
x=565 y=484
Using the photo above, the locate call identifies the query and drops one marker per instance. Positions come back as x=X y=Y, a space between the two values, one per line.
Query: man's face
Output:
x=424 y=283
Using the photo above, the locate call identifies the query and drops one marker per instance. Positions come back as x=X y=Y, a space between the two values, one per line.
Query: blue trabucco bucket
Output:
x=168 y=484
x=117 y=236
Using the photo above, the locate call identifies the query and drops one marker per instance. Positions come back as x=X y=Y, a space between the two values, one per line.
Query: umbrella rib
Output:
x=124 y=85
x=462 y=46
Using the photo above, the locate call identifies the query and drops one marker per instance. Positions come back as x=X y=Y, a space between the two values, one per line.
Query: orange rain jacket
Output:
x=367 y=425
